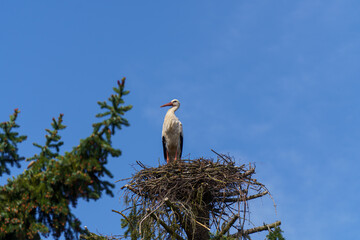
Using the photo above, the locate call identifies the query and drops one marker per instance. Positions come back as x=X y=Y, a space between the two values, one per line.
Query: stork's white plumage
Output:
x=172 y=133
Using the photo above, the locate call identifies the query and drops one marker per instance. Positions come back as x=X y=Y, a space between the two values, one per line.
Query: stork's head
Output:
x=174 y=103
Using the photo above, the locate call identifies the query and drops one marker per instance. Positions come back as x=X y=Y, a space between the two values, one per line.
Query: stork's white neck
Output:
x=172 y=110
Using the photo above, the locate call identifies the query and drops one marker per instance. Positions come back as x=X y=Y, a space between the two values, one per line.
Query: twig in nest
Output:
x=247 y=198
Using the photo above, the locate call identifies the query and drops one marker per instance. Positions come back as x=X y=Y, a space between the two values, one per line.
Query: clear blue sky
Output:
x=271 y=82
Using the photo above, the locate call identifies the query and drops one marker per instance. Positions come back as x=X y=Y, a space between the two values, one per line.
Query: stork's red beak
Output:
x=168 y=104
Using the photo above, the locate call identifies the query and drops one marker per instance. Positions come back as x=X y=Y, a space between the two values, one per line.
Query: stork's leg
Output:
x=175 y=155
x=167 y=157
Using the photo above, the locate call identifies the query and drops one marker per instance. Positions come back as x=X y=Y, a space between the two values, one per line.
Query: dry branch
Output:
x=257 y=229
x=262 y=228
x=167 y=228
x=177 y=211
x=247 y=198
x=227 y=227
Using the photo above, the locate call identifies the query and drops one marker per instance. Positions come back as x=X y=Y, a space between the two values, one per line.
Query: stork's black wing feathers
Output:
x=164 y=147
x=181 y=145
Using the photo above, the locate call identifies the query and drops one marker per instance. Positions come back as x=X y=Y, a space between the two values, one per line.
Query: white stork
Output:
x=172 y=133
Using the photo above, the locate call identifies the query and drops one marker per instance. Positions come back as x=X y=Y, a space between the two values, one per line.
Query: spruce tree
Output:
x=38 y=202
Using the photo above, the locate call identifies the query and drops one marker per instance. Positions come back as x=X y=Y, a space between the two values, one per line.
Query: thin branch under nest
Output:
x=175 y=194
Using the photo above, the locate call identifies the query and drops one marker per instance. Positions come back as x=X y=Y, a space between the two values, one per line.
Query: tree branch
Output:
x=131 y=189
x=167 y=228
x=248 y=198
x=257 y=229
x=124 y=216
x=176 y=210
x=227 y=227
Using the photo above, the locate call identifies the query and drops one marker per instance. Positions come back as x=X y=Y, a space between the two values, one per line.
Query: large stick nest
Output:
x=218 y=185
x=180 y=180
